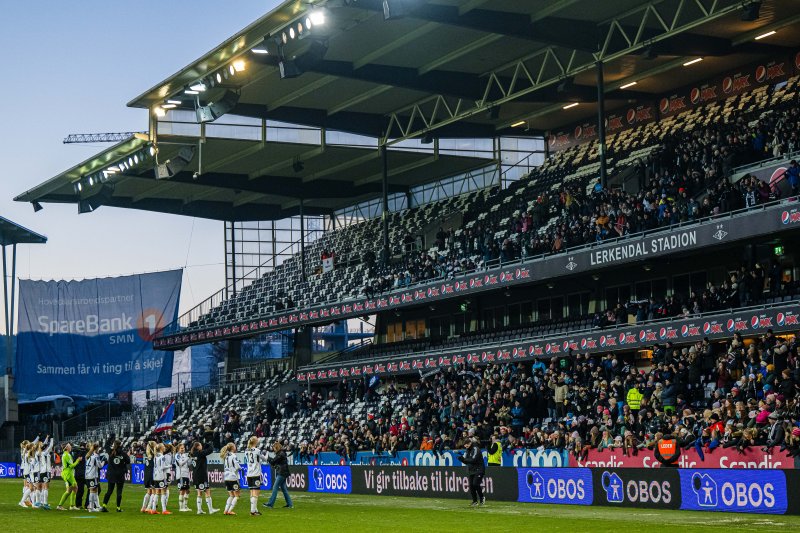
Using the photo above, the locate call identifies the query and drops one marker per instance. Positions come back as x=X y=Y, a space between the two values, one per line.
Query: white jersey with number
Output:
x=170 y=463
x=182 y=465
x=43 y=458
x=232 y=467
x=160 y=467
x=255 y=458
x=33 y=466
x=93 y=465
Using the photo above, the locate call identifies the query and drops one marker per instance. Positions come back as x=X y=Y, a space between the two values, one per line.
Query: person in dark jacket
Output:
x=473 y=458
x=669 y=396
x=776 y=433
x=198 y=463
x=280 y=469
x=118 y=462
x=80 y=475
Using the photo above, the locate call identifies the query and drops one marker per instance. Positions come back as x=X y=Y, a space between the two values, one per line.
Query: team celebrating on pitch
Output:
x=165 y=464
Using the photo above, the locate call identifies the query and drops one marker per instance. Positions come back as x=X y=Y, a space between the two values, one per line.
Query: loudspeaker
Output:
x=93 y=202
x=395 y=9
x=292 y=68
x=213 y=111
x=172 y=166
x=289 y=69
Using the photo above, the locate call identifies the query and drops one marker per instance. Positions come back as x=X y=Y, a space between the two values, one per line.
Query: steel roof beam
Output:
x=551 y=30
x=551 y=65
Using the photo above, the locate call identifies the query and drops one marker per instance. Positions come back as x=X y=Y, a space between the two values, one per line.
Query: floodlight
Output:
x=317 y=17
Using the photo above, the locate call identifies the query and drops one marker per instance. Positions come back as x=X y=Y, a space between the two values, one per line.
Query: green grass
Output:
x=373 y=513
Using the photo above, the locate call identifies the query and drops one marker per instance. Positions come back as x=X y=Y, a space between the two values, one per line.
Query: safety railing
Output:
x=478 y=346
x=531 y=259
x=741 y=170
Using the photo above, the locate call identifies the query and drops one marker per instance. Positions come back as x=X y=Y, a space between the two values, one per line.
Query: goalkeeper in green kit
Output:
x=68 y=465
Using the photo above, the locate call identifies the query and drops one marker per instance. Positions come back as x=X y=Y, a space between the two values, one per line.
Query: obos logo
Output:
x=649 y=493
x=555 y=485
x=335 y=479
x=721 y=490
x=612 y=484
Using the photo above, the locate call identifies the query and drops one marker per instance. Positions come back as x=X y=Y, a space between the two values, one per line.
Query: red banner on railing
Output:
x=752 y=458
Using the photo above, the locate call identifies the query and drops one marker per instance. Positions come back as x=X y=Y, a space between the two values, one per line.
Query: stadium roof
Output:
x=12 y=233
x=244 y=179
x=472 y=68
x=435 y=68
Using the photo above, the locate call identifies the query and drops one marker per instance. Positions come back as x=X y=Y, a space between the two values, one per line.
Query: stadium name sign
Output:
x=701 y=235
x=642 y=249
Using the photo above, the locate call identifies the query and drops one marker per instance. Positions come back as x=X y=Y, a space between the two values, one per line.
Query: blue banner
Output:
x=736 y=490
x=555 y=485
x=519 y=457
x=331 y=479
x=266 y=478
x=8 y=470
x=95 y=336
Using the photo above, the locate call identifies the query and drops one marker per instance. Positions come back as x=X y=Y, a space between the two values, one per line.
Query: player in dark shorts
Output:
x=149 y=463
x=198 y=461
x=118 y=463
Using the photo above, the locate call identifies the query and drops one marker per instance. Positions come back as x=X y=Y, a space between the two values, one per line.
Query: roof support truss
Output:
x=624 y=34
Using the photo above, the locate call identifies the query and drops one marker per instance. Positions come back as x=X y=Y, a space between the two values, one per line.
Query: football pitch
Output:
x=326 y=512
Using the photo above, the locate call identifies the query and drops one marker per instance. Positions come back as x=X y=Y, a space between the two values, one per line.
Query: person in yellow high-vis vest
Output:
x=495 y=452
x=634 y=399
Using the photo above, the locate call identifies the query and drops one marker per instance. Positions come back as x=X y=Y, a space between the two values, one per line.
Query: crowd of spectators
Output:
x=742 y=288
x=742 y=396
x=687 y=179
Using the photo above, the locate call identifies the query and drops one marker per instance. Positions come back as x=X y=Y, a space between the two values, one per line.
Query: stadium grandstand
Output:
x=570 y=225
